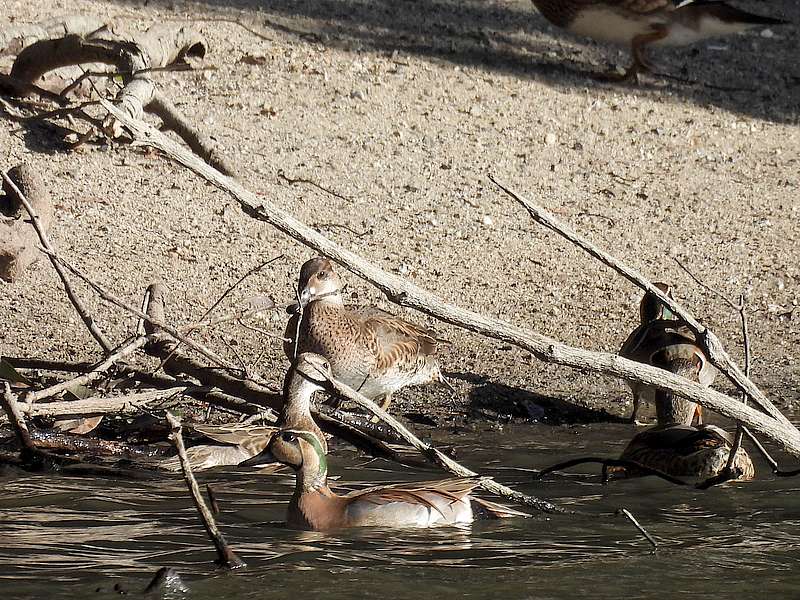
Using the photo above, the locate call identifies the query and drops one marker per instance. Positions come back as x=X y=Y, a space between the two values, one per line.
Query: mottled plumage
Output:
x=315 y=507
x=369 y=350
x=674 y=446
x=687 y=451
x=641 y=23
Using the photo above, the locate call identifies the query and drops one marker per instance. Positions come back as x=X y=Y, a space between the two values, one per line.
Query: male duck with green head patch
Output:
x=315 y=507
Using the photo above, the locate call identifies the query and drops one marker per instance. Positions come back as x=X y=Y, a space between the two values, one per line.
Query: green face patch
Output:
x=314 y=441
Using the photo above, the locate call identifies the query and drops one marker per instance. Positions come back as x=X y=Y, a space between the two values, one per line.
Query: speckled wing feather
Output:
x=397 y=341
x=235 y=434
x=454 y=489
x=683 y=440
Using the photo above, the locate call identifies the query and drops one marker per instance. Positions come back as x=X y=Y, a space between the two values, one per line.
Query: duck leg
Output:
x=698 y=415
x=637 y=404
x=640 y=63
x=385 y=401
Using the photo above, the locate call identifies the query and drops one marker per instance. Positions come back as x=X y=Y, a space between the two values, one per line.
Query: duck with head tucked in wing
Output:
x=315 y=507
x=369 y=350
x=643 y=23
x=674 y=446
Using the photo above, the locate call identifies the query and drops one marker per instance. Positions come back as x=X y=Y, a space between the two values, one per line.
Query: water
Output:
x=63 y=537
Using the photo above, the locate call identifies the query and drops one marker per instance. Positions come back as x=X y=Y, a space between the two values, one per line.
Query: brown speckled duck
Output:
x=369 y=350
x=674 y=446
x=642 y=23
x=240 y=442
x=315 y=507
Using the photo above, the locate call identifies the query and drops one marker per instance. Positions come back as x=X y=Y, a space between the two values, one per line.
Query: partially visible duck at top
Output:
x=674 y=446
x=370 y=350
x=643 y=23
x=314 y=506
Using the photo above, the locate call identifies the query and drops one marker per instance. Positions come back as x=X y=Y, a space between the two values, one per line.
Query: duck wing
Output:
x=682 y=440
x=395 y=340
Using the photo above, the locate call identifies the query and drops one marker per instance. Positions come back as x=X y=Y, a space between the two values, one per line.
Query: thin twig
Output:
x=608 y=462
x=226 y=557
x=83 y=312
x=632 y=519
x=291 y=181
x=96 y=373
x=109 y=297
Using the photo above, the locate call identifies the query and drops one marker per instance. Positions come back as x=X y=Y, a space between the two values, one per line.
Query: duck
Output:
x=680 y=444
x=369 y=350
x=681 y=450
x=643 y=23
x=664 y=341
x=303 y=379
x=315 y=507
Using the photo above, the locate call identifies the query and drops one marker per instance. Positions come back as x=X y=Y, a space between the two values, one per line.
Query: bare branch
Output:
x=405 y=293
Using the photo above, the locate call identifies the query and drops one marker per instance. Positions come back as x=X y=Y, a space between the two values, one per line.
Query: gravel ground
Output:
x=401 y=110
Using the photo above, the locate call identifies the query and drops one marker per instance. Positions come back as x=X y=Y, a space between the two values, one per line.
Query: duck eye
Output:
x=326 y=365
x=288 y=437
x=322 y=275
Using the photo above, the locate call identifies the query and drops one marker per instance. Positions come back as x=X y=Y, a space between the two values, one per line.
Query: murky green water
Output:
x=73 y=537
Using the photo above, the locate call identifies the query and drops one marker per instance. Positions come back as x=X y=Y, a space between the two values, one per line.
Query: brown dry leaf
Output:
x=79 y=426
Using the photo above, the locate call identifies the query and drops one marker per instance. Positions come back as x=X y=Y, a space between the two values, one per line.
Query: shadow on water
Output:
x=749 y=74
x=64 y=537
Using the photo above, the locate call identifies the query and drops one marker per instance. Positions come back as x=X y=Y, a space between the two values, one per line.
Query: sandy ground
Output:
x=402 y=108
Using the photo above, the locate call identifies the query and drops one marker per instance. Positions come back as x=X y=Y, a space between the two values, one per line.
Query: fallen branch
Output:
x=406 y=294
x=96 y=373
x=435 y=456
x=27 y=179
x=226 y=557
x=32 y=457
x=135 y=57
x=706 y=338
x=129 y=403
x=16 y=38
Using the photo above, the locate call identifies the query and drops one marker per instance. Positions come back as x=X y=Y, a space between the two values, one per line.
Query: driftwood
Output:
x=226 y=557
x=135 y=57
x=15 y=39
x=129 y=403
x=406 y=294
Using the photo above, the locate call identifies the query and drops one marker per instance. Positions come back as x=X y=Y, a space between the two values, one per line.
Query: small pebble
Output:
x=550 y=139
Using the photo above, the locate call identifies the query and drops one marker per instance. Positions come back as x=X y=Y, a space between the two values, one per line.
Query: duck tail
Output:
x=486 y=509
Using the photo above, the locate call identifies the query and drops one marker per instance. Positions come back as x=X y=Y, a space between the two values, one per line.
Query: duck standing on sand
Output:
x=675 y=446
x=369 y=350
x=642 y=23
x=315 y=507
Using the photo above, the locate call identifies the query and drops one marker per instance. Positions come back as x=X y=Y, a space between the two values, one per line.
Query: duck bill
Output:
x=262 y=458
x=305 y=297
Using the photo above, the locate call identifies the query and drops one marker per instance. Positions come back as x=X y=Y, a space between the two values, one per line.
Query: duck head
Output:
x=299 y=450
x=319 y=282
x=652 y=309
x=308 y=374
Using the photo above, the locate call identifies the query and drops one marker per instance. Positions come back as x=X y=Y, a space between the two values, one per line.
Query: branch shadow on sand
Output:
x=495 y=401
x=745 y=74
